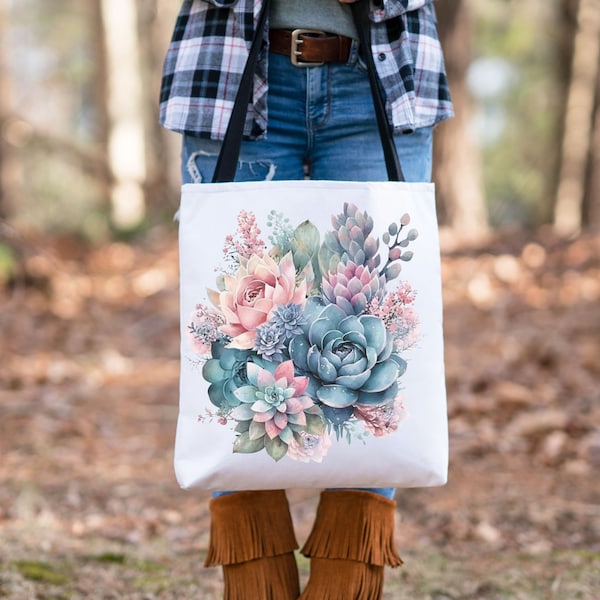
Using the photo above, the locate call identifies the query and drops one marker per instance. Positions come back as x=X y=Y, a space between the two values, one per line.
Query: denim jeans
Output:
x=322 y=126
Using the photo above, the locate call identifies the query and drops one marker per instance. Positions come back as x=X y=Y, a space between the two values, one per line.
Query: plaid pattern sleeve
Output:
x=210 y=45
x=387 y=9
x=410 y=64
x=203 y=67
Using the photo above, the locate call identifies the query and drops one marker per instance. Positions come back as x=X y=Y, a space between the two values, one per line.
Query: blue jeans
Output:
x=322 y=126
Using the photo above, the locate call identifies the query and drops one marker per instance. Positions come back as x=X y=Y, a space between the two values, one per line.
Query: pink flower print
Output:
x=203 y=328
x=383 y=419
x=251 y=295
x=313 y=447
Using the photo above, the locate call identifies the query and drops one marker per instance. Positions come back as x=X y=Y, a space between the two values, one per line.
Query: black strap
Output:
x=360 y=13
x=230 y=149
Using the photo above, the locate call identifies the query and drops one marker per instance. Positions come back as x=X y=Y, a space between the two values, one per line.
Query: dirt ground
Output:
x=89 y=507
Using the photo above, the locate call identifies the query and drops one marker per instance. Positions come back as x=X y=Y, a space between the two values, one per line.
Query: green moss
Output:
x=118 y=558
x=146 y=566
x=40 y=571
x=109 y=557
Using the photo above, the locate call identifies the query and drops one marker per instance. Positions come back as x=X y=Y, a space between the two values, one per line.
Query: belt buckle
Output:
x=295 y=51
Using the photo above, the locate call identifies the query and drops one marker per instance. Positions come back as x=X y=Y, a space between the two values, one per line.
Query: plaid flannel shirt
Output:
x=210 y=45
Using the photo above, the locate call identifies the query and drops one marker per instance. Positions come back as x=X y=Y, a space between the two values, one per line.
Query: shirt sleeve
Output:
x=388 y=9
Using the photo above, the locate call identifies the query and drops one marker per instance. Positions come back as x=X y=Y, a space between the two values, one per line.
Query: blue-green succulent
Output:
x=226 y=372
x=349 y=359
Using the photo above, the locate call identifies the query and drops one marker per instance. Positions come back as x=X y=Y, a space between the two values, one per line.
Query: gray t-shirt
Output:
x=323 y=15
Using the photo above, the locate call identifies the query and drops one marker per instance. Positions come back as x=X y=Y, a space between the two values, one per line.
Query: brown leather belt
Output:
x=309 y=48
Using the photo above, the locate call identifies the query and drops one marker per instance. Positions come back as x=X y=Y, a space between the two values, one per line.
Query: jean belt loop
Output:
x=354 y=53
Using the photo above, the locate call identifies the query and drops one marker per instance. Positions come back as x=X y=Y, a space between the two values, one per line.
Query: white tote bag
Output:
x=311 y=326
x=311 y=336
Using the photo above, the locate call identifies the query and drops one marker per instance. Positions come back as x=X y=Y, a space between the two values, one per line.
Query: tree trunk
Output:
x=578 y=121
x=126 y=137
x=457 y=160
x=157 y=18
x=101 y=128
x=592 y=199
x=8 y=165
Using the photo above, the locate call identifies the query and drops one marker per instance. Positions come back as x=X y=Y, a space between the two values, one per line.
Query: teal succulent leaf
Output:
x=216 y=395
x=354 y=382
x=353 y=369
x=374 y=332
x=246 y=394
x=326 y=371
x=313 y=307
x=328 y=320
x=299 y=348
x=355 y=337
x=383 y=375
x=262 y=406
x=256 y=430
x=286 y=435
x=337 y=396
x=297 y=419
x=402 y=364
x=386 y=353
x=377 y=398
x=212 y=371
x=305 y=250
x=275 y=447
x=243 y=412
x=337 y=416
x=244 y=445
x=314 y=424
x=242 y=426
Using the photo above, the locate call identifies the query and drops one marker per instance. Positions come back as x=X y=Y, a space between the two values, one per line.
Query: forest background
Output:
x=89 y=183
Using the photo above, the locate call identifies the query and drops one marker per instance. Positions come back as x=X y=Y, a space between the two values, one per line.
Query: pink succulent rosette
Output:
x=251 y=295
x=312 y=448
x=273 y=409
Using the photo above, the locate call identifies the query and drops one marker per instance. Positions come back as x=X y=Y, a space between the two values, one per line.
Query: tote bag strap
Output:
x=230 y=149
x=360 y=13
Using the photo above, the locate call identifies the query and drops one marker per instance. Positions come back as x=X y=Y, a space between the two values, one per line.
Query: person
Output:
x=311 y=116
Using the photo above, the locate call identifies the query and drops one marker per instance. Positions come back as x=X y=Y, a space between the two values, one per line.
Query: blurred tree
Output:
x=578 y=148
x=125 y=102
x=156 y=22
x=99 y=94
x=457 y=160
x=7 y=161
x=518 y=80
x=592 y=200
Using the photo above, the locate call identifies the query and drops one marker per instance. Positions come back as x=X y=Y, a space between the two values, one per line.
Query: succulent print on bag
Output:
x=304 y=339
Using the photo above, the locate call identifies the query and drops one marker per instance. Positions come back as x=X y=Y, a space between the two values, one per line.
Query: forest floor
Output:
x=89 y=507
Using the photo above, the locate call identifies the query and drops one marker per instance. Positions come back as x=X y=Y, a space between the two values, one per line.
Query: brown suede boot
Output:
x=350 y=543
x=252 y=537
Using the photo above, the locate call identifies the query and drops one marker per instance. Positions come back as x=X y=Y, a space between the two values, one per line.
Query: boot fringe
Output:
x=354 y=525
x=332 y=579
x=270 y=578
x=265 y=530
